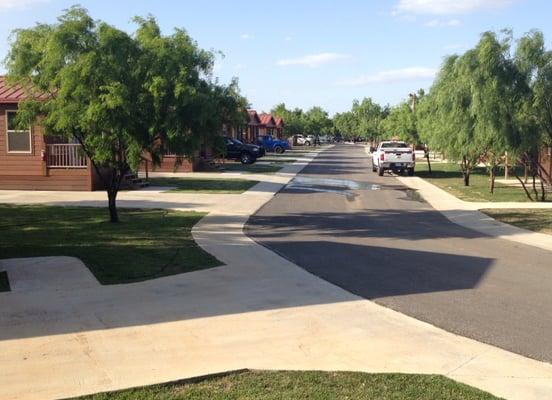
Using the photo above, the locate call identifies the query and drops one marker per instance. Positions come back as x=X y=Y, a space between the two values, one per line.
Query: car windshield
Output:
x=236 y=141
x=394 y=145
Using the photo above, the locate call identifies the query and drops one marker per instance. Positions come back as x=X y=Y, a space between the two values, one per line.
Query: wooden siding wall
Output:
x=17 y=164
x=21 y=171
x=168 y=164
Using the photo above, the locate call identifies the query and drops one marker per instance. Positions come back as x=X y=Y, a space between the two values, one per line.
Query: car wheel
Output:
x=279 y=149
x=374 y=168
x=410 y=171
x=307 y=143
x=380 y=171
x=246 y=158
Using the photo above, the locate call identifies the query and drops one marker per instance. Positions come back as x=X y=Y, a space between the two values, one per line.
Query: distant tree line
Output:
x=494 y=100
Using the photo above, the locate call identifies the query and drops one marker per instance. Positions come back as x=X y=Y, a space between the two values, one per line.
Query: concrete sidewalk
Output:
x=258 y=311
x=466 y=214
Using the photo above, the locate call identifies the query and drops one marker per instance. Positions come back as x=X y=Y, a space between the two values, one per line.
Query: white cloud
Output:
x=448 y=7
x=19 y=4
x=243 y=36
x=313 y=60
x=391 y=76
x=288 y=38
x=440 y=23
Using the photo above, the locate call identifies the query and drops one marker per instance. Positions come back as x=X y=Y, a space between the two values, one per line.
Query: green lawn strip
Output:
x=4 y=282
x=537 y=220
x=313 y=385
x=146 y=244
x=276 y=160
x=207 y=185
x=253 y=168
x=448 y=177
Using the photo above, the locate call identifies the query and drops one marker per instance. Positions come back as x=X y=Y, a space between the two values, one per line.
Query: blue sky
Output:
x=307 y=53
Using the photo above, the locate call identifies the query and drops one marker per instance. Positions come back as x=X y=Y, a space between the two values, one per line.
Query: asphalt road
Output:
x=371 y=236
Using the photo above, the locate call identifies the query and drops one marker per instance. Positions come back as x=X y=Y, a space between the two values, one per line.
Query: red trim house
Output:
x=252 y=128
x=268 y=124
x=279 y=130
x=29 y=160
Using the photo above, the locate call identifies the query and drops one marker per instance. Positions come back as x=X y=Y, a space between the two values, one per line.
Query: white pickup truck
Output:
x=393 y=156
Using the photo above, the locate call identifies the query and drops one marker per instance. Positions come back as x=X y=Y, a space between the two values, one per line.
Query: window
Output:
x=394 y=145
x=19 y=141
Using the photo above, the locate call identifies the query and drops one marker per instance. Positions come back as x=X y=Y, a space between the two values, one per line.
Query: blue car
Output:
x=270 y=144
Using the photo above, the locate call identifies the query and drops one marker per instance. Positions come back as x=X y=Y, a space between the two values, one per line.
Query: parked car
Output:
x=298 y=140
x=245 y=153
x=395 y=156
x=268 y=143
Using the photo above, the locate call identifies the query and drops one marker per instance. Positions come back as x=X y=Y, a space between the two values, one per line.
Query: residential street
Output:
x=368 y=235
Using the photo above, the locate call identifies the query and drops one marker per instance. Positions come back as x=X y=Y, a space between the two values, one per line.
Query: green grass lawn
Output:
x=253 y=168
x=197 y=185
x=280 y=385
x=4 y=282
x=277 y=160
x=447 y=176
x=531 y=219
x=146 y=244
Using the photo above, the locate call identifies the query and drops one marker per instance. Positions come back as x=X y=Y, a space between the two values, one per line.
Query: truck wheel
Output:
x=279 y=149
x=410 y=171
x=246 y=158
x=374 y=168
x=380 y=171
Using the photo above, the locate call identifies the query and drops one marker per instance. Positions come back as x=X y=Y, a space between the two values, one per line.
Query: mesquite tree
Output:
x=119 y=95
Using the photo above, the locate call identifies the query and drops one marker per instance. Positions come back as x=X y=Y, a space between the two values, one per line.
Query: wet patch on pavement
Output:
x=342 y=187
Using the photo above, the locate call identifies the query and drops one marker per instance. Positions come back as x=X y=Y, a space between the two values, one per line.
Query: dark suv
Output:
x=245 y=153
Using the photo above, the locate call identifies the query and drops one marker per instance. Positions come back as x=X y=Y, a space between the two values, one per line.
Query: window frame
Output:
x=8 y=131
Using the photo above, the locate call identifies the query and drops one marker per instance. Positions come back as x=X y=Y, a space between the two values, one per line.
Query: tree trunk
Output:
x=466 y=178
x=428 y=164
x=426 y=151
x=465 y=171
x=523 y=185
x=112 y=201
x=492 y=181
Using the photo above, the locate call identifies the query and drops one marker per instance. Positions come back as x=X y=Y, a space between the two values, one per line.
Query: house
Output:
x=260 y=124
x=169 y=162
x=251 y=131
x=268 y=124
x=29 y=160
x=279 y=130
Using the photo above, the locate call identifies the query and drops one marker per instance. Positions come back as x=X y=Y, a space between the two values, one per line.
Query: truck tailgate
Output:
x=398 y=155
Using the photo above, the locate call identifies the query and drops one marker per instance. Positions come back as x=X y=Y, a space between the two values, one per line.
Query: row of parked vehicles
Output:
x=249 y=153
x=311 y=140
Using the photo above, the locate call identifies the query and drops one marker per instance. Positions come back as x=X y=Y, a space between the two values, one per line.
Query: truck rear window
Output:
x=394 y=145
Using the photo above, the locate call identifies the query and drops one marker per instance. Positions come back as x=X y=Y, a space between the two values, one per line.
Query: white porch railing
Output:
x=65 y=155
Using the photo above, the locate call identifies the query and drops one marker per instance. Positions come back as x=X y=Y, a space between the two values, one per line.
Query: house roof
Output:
x=13 y=94
x=253 y=117
x=267 y=119
x=10 y=94
x=279 y=122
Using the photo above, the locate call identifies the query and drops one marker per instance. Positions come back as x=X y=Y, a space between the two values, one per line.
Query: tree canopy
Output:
x=118 y=94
